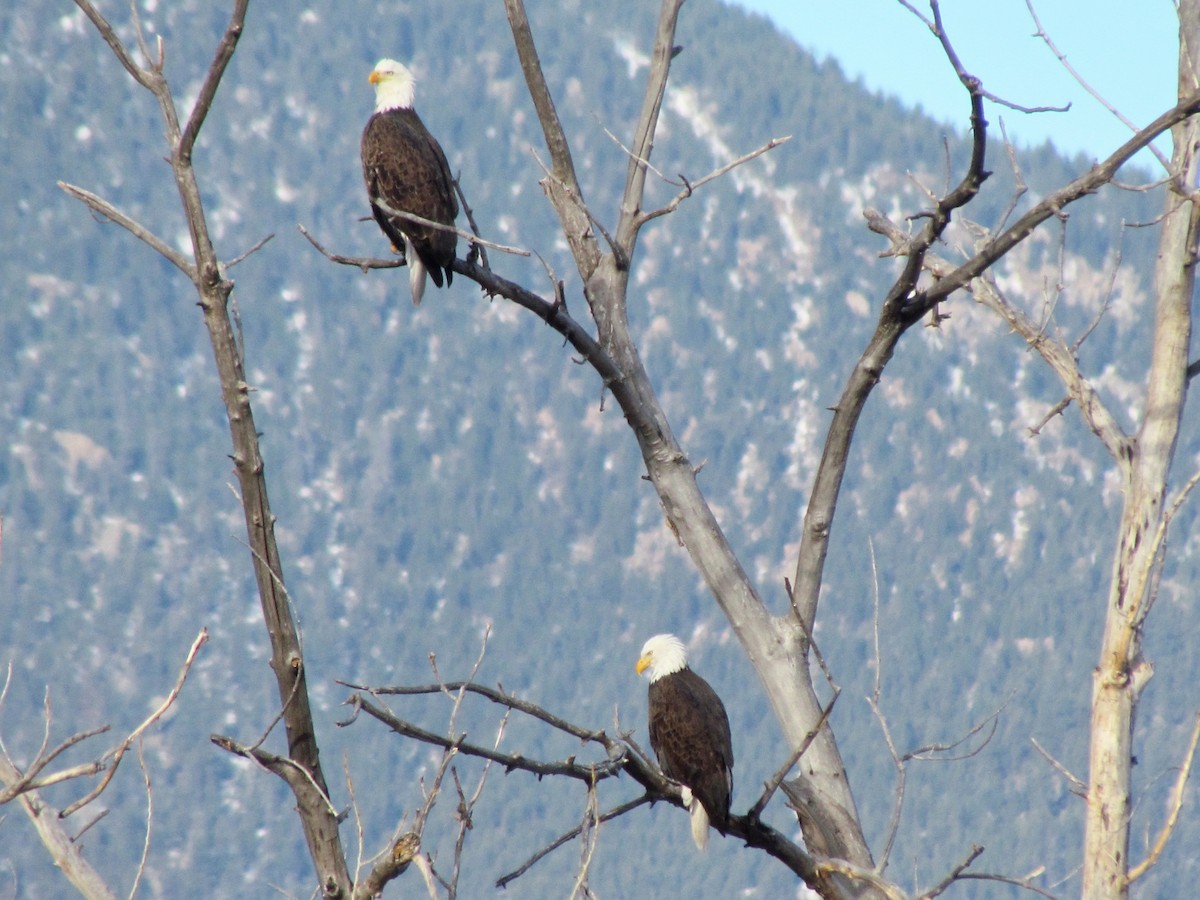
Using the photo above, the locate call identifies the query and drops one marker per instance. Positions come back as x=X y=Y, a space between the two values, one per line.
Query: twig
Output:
x=1164 y=834
x=629 y=223
x=254 y=249
x=877 y=708
x=212 y=80
x=772 y=784
x=689 y=187
x=359 y=839
x=568 y=836
x=286 y=768
x=366 y=263
x=576 y=198
x=138 y=230
x=440 y=226
x=589 y=829
x=1077 y=786
x=926 y=753
x=141 y=869
x=1055 y=410
x=569 y=768
x=954 y=874
x=1026 y=883
x=498 y=696
x=118 y=753
x=65 y=853
x=1062 y=58
x=29 y=780
x=1107 y=304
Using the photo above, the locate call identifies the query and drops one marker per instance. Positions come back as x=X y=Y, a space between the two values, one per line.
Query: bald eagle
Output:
x=689 y=732
x=405 y=168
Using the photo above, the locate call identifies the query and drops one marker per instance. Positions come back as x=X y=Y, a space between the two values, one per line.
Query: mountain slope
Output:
x=442 y=470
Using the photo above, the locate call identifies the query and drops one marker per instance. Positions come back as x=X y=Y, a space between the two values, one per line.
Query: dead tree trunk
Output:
x=1122 y=672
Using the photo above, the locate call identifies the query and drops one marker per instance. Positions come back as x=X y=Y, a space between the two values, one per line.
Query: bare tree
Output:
x=836 y=860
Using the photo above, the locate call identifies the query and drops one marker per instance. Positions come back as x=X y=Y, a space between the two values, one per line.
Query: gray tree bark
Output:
x=1145 y=468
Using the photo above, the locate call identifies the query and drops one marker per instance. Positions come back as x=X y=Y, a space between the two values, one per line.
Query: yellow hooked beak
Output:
x=643 y=664
x=375 y=77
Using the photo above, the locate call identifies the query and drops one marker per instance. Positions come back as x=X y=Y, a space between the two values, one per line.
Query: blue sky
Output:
x=1125 y=48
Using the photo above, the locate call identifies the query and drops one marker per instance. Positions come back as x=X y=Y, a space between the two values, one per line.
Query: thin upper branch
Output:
x=318 y=819
x=1052 y=204
x=1083 y=83
x=642 y=147
x=137 y=229
x=553 y=312
x=140 y=75
x=574 y=224
x=497 y=696
x=1060 y=358
x=585 y=772
x=212 y=80
x=689 y=187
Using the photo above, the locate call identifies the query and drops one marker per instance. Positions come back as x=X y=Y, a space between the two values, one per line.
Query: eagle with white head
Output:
x=689 y=731
x=406 y=170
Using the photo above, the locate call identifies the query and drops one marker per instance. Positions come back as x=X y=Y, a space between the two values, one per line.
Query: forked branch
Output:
x=214 y=291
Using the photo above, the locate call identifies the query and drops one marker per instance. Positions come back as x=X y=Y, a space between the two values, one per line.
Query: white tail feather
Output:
x=416 y=272
x=699 y=824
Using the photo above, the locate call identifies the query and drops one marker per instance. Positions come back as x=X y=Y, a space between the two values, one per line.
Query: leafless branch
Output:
x=1164 y=835
x=568 y=836
x=630 y=222
x=141 y=76
x=936 y=751
x=772 y=784
x=953 y=875
x=1083 y=83
x=1055 y=410
x=1087 y=183
x=399 y=857
x=301 y=781
x=1105 y=306
x=366 y=263
x=600 y=769
x=689 y=187
x=113 y=757
x=553 y=312
x=877 y=708
x=1077 y=785
x=104 y=208
x=66 y=854
x=141 y=869
x=214 y=290
x=28 y=780
x=900 y=310
x=23 y=786
x=1025 y=883
x=574 y=223
x=1095 y=413
x=212 y=80
x=439 y=226
x=241 y=257
x=1141 y=601
x=572 y=195
x=589 y=830
x=497 y=696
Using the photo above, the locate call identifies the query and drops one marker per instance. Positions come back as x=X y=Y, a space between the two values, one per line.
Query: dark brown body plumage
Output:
x=689 y=732
x=404 y=166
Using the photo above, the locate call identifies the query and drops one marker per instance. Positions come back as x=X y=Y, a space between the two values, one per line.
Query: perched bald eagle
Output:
x=404 y=166
x=689 y=732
